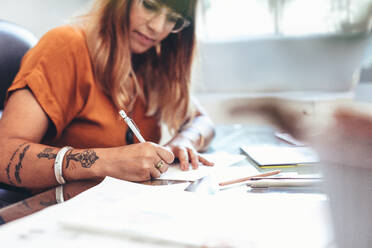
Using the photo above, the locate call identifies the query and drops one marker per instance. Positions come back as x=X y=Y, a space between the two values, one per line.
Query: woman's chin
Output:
x=139 y=49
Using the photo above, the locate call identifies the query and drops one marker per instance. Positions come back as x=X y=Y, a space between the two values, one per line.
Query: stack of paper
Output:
x=267 y=155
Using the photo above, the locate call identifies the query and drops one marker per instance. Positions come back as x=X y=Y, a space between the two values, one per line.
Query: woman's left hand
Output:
x=183 y=149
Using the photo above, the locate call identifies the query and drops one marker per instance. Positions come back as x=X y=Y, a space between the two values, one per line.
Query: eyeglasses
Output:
x=174 y=19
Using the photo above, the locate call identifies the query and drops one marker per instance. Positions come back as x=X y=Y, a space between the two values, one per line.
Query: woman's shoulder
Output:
x=64 y=37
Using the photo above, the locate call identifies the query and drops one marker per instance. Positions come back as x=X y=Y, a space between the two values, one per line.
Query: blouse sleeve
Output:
x=52 y=71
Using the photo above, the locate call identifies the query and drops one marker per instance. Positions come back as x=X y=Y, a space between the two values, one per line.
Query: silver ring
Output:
x=159 y=164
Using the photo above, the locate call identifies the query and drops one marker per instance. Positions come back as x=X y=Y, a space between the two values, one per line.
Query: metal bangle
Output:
x=59 y=194
x=58 y=163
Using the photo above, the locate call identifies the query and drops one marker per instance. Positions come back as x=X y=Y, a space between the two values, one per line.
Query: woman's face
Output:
x=150 y=23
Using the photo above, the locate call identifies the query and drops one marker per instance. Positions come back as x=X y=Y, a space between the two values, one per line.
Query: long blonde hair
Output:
x=160 y=76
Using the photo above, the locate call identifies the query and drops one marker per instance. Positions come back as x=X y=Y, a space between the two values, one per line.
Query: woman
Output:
x=133 y=55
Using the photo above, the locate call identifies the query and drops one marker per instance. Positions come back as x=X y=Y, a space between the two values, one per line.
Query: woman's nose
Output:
x=158 y=22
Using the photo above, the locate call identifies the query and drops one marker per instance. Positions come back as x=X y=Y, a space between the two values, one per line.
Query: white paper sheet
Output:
x=183 y=219
x=114 y=190
x=142 y=216
x=221 y=160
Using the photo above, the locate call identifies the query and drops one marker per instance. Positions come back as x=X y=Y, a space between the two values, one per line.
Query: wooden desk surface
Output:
x=228 y=138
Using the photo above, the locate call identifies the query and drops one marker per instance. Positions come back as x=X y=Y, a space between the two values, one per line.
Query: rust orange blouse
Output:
x=59 y=72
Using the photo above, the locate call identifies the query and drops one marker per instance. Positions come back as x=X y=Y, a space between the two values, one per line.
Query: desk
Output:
x=228 y=138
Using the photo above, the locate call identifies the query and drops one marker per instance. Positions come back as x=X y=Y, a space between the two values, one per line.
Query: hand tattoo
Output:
x=86 y=158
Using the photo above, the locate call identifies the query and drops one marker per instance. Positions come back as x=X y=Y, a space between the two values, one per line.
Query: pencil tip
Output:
x=123 y=114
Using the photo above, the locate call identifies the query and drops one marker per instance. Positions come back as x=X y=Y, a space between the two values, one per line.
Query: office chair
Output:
x=15 y=41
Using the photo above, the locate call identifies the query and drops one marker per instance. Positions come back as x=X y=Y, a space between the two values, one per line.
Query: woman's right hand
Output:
x=137 y=162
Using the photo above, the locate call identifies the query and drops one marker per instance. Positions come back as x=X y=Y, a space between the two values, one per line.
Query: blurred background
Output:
x=317 y=51
x=222 y=20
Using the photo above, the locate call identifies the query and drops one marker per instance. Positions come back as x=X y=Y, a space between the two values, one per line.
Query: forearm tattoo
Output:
x=47 y=153
x=53 y=202
x=48 y=203
x=87 y=158
x=18 y=167
x=7 y=169
x=68 y=196
x=24 y=202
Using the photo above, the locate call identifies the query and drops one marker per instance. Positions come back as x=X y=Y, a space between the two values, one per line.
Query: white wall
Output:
x=270 y=64
x=40 y=15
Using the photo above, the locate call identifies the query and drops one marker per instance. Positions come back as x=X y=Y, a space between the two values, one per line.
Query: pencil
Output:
x=266 y=174
x=288 y=178
x=284 y=166
x=132 y=126
x=268 y=183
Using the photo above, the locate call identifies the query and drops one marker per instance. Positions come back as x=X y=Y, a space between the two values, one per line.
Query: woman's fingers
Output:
x=193 y=158
x=161 y=166
x=165 y=154
x=183 y=157
x=205 y=161
x=155 y=173
x=189 y=156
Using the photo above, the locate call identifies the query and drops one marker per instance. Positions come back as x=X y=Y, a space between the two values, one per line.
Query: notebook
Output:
x=267 y=155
